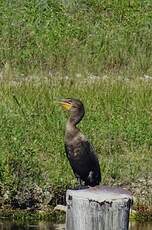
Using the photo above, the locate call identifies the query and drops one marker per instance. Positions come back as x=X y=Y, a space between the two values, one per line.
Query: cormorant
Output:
x=79 y=151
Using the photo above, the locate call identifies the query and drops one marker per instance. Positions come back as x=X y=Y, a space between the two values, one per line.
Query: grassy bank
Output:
x=75 y=47
x=34 y=171
x=85 y=36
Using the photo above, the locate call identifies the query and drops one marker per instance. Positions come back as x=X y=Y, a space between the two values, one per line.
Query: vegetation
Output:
x=33 y=164
x=86 y=35
x=24 y=217
x=98 y=51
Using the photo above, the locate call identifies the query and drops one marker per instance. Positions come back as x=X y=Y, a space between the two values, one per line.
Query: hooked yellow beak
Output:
x=65 y=105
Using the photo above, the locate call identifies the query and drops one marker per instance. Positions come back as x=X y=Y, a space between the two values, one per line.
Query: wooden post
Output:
x=98 y=208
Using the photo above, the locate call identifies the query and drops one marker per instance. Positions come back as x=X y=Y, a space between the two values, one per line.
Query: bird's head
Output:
x=74 y=106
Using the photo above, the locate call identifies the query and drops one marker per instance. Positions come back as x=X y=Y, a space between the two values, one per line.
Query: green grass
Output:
x=85 y=36
x=107 y=39
x=118 y=123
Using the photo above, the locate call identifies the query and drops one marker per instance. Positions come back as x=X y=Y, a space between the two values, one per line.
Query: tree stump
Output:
x=98 y=208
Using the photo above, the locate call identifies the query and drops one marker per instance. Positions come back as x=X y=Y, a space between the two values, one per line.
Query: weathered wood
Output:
x=98 y=208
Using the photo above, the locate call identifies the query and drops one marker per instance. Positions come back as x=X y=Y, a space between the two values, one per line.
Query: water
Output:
x=6 y=225
x=30 y=226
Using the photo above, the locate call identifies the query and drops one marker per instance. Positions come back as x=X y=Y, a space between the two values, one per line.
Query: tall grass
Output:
x=74 y=39
x=117 y=121
x=76 y=36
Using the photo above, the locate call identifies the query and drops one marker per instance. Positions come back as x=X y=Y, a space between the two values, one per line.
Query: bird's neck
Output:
x=71 y=129
x=75 y=118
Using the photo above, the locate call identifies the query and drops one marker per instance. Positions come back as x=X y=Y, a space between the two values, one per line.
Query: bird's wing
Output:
x=83 y=159
x=94 y=176
x=90 y=152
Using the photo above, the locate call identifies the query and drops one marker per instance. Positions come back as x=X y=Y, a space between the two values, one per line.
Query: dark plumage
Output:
x=80 y=152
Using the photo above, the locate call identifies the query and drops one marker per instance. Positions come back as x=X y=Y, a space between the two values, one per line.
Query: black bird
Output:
x=80 y=152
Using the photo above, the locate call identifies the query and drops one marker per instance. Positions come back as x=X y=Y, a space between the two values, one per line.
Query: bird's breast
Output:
x=73 y=151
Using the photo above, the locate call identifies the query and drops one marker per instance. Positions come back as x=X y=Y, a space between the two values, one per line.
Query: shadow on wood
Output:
x=98 y=208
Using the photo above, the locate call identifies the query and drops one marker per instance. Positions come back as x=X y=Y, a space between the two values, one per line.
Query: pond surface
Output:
x=6 y=225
